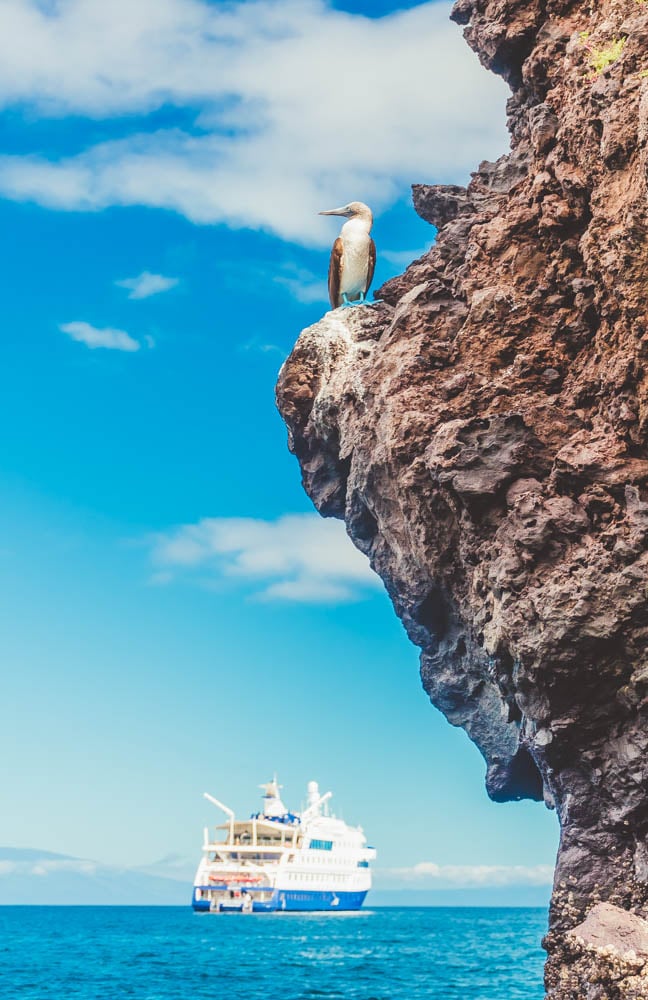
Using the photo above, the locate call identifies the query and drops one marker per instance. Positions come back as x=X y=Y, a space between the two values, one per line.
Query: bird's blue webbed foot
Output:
x=346 y=301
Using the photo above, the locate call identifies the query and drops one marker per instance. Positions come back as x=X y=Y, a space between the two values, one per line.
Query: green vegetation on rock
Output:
x=601 y=58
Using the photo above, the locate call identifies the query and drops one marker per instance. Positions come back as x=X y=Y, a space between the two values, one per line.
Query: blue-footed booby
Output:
x=353 y=257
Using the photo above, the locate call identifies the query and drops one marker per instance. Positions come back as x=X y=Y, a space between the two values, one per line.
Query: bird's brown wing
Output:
x=335 y=272
x=372 y=265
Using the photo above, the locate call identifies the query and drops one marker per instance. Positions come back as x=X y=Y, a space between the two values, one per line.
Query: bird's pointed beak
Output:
x=334 y=211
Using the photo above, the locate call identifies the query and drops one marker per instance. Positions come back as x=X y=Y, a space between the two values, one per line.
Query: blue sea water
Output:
x=169 y=953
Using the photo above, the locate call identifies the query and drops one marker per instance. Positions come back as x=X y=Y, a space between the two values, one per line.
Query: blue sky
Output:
x=167 y=628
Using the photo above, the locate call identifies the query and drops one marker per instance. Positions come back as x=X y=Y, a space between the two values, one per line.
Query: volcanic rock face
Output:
x=482 y=430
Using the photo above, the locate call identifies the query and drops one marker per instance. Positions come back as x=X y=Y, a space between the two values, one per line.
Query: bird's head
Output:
x=354 y=210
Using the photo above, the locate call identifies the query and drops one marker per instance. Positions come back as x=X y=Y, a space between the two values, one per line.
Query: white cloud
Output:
x=305 y=591
x=296 y=106
x=147 y=284
x=299 y=557
x=93 y=337
x=428 y=874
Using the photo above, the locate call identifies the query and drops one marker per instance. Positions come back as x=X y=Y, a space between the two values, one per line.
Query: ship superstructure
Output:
x=279 y=860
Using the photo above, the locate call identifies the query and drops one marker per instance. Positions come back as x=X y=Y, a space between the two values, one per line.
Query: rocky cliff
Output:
x=482 y=430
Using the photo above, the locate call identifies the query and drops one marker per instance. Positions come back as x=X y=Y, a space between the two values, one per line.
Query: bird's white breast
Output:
x=355 y=267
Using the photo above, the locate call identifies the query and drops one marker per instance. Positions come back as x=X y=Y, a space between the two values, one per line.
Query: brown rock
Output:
x=484 y=433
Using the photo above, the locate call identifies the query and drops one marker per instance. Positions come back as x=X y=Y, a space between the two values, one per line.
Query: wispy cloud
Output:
x=267 y=152
x=299 y=557
x=401 y=258
x=93 y=337
x=299 y=282
x=48 y=866
x=428 y=874
x=256 y=346
x=173 y=866
x=302 y=284
x=29 y=862
x=147 y=284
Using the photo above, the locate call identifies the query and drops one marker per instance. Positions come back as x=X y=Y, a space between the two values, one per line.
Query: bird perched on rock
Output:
x=353 y=257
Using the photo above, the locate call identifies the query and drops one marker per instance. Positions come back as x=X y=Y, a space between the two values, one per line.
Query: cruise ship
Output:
x=279 y=860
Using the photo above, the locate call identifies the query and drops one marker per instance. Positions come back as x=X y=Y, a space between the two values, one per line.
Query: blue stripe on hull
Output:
x=293 y=901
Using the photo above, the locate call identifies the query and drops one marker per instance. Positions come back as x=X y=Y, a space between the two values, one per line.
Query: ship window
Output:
x=363 y=864
x=321 y=845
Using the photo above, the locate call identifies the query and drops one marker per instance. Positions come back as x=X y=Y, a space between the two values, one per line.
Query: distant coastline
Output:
x=29 y=877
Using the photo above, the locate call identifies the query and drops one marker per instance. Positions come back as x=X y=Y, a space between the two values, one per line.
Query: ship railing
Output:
x=225 y=847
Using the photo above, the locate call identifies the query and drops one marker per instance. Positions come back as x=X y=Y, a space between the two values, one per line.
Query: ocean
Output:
x=170 y=953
